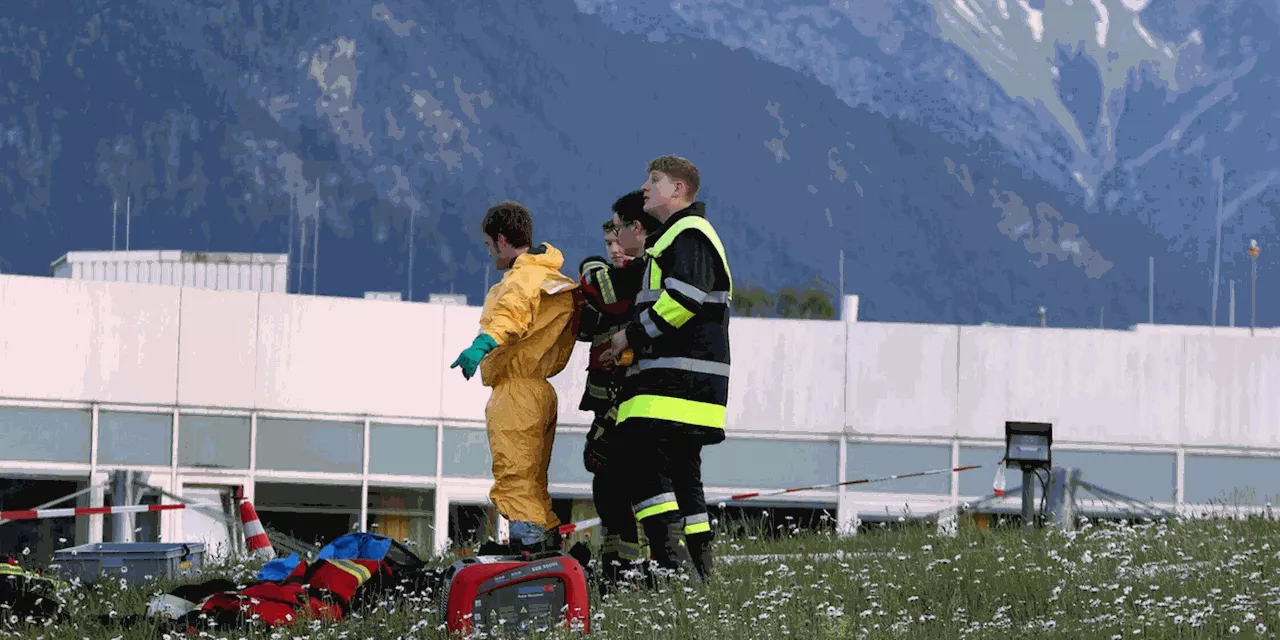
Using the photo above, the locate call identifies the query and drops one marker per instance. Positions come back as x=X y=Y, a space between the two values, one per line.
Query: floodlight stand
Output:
x=1028 y=497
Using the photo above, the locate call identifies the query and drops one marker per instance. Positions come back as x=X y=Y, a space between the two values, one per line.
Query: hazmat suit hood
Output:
x=529 y=314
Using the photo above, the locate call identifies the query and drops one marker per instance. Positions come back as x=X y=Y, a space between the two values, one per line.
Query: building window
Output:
x=402 y=449
x=1145 y=476
x=218 y=442
x=979 y=482
x=1231 y=480
x=135 y=438
x=1141 y=475
x=404 y=515
x=312 y=513
x=880 y=459
x=45 y=435
x=566 y=459
x=310 y=445
x=41 y=536
x=466 y=453
x=770 y=464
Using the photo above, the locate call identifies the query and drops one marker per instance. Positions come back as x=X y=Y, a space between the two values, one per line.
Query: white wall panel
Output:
x=313 y=354
x=218 y=349
x=135 y=343
x=1231 y=392
x=79 y=340
x=901 y=379
x=462 y=399
x=406 y=358
x=1094 y=386
x=785 y=375
x=570 y=384
x=47 y=326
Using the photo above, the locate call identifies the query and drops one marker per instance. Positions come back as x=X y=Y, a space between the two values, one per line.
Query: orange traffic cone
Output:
x=255 y=537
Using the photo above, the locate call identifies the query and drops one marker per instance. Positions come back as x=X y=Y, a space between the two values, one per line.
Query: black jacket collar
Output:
x=696 y=209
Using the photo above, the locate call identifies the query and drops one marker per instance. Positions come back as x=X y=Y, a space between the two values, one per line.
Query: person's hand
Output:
x=617 y=344
x=470 y=357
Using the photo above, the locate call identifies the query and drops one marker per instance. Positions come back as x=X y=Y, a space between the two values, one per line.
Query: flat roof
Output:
x=171 y=256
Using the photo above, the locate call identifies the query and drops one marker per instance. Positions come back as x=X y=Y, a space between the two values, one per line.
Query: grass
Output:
x=1194 y=579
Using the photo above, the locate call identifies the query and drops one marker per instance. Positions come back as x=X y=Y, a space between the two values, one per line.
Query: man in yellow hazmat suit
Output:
x=526 y=336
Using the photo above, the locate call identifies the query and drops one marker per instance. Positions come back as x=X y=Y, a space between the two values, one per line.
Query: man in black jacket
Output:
x=674 y=395
x=610 y=290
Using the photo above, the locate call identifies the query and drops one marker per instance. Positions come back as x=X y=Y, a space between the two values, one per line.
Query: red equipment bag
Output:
x=515 y=593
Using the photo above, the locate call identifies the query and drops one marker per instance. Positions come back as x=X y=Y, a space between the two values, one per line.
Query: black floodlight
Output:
x=1028 y=444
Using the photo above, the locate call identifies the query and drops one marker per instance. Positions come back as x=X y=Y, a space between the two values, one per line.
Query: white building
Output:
x=261 y=272
x=284 y=394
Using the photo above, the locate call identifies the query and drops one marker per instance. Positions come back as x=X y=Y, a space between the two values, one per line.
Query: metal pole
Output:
x=411 y=217
x=302 y=248
x=315 y=244
x=288 y=261
x=1253 y=296
x=1151 y=289
x=1043 y=322
x=115 y=206
x=1231 y=313
x=128 y=216
x=1217 y=256
x=1028 y=497
x=122 y=495
x=841 y=300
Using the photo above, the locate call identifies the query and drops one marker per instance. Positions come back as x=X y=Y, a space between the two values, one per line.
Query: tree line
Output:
x=812 y=303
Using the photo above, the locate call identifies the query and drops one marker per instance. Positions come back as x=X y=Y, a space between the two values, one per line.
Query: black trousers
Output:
x=610 y=494
x=664 y=471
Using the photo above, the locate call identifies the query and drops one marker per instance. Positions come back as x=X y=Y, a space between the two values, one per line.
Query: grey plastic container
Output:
x=136 y=562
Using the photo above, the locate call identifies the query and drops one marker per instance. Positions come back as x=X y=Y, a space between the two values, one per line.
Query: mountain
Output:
x=973 y=159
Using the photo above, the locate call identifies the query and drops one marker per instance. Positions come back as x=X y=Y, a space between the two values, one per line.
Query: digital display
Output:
x=1028 y=447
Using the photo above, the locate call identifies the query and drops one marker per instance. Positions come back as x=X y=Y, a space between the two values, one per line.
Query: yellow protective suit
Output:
x=529 y=313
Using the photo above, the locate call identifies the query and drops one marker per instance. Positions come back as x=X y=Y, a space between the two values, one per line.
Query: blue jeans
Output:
x=527 y=533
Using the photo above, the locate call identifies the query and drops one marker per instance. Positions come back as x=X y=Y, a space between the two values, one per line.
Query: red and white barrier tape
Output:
x=33 y=514
x=573 y=527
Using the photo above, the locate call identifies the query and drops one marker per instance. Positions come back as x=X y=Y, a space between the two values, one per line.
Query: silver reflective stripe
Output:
x=691 y=292
x=655 y=501
x=646 y=321
x=683 y=364
x=697 y=518
x=652 y=295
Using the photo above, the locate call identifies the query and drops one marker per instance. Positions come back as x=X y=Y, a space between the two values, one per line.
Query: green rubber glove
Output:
x=470 y=357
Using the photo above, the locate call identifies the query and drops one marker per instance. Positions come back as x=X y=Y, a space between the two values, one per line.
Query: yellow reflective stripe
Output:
x=700 y=224
x=597 y=391
x=628 y=550
x=663 y=507
x=697 y=527
x=606 y=287
x=612 y=414
x=655 y=275
x=360 y=572
x=673 y=312
x=9 y=569
x=702 y=414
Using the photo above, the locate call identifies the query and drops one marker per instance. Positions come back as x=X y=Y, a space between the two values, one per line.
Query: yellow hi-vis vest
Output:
x=683 y=377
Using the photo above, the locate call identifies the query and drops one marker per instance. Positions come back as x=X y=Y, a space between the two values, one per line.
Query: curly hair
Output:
x=512 y=220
